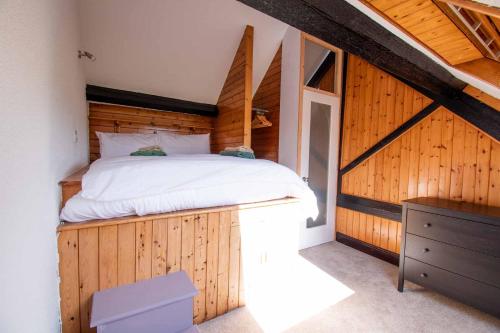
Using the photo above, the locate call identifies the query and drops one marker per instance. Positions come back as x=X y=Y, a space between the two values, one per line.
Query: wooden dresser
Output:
x=453 y=248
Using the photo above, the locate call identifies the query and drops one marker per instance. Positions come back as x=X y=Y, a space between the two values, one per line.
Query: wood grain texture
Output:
x=381 y=232
x=265 y=141
x=200 y=266
x=124 y=119
x=440 y=156
x=233 y=124
x=424 y=21
x=126 y=253
x=69 y=288
x=88 y=275
x=159 y=250
x=485 y=69
x=108 y=252
x=143 y=245
x=223 y=265
x=375 y=105
x=443 y=156
x=212 y=264
x=483 y=97
x=206 y=244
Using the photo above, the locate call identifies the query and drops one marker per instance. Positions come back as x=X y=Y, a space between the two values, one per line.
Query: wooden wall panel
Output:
x=124 y=119
x=375 y=105
x=69 y=288
x=483 y=97
x=206 y=243
x=233 y=124
x=88 y=268
x=265 y=141
x=370 y=229
x=440 y=156
x=451 y=159
x=96 y=261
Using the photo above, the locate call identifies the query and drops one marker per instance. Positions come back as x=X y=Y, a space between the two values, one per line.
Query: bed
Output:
x=128 y=230
x=144 y=185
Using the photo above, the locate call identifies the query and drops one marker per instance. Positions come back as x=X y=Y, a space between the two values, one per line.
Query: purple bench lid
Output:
x=121 y=302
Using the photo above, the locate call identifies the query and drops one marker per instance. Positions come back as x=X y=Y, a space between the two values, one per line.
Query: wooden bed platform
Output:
x=222 y=249
x=210 y=244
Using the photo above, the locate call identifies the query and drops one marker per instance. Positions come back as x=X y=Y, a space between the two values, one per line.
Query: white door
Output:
x=319 y=159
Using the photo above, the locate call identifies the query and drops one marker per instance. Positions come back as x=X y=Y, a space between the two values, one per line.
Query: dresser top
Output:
x=459 y=209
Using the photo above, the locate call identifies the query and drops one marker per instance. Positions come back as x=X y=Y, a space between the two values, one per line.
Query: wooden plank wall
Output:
x=375 y=104
x=441 y=156
x=206 y=246
x=483 y=97
x=125 y=119
x=370 y=229
x=233 y=124
x=265 y=141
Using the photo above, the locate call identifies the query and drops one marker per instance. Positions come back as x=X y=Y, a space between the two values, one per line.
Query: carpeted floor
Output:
x=374 y=306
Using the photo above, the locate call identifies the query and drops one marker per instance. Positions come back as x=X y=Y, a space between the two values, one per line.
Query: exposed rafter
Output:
x=340 y=24
x=475 y=6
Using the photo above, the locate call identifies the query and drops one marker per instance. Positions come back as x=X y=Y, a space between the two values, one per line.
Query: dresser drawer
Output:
x=475 y=265
x=475 y=293
x=472 y=235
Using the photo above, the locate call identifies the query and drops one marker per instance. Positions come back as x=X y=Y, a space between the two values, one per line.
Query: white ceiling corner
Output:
x=179 y=49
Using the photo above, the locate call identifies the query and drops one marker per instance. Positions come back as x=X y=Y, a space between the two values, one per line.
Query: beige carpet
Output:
x=374 y=306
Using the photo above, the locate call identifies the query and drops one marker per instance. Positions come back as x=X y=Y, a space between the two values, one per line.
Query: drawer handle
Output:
x=427 y=225
x=423 y=275
x=425 y=250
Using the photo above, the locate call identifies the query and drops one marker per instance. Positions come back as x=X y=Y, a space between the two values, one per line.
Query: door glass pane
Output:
x=319 y=149
x=319 y=67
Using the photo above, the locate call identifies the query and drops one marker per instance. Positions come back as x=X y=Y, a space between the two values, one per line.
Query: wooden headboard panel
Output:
x=125 y=119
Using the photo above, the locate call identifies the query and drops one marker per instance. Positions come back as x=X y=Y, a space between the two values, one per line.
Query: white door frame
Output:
x=325 y=233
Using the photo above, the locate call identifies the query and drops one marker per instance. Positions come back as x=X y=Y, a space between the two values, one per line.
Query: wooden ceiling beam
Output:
x=475 y=6
x=488 y=26
x=344 y=26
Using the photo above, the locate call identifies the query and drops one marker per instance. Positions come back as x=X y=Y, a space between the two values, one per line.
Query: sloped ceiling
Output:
x=179 y=49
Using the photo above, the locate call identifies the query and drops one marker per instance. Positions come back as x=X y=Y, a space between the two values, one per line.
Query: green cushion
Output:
x=242 y=154
x=148 y=153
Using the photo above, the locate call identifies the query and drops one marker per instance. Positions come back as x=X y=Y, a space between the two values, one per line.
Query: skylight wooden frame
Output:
x=339 y=54
x=457 y=11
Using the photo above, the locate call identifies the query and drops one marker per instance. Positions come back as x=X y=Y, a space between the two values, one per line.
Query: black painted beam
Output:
x=370 y=249
x=339 y=23
x=129 y=98
x=342 y=116
x=342 y=25
x=327 y=63
x=465 y=106
x=390 y=137
x=382 y=209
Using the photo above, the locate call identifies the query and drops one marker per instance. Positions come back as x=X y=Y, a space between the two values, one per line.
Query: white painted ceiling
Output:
x=173 y=48
x=314 y=55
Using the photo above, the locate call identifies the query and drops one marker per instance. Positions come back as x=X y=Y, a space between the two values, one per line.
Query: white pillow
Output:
x=172 y=143
x=123 y=144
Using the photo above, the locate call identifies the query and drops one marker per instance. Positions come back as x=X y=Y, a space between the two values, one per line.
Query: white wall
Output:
x=289 y=99
x=42 y=103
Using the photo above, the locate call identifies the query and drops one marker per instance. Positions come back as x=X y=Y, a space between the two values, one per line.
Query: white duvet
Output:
x=136 y=185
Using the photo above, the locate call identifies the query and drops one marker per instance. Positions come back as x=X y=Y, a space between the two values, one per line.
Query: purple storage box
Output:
x=160 y=305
